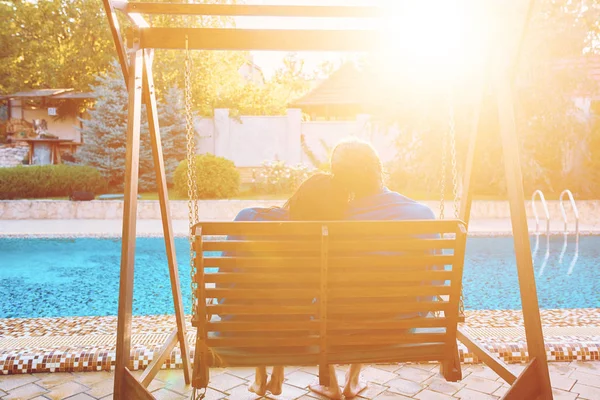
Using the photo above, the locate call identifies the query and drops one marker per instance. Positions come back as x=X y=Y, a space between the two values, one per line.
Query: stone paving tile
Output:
x=376 y=375
x=28 y=391
x=373 y=390
x=586 y=392
x=414 y=374
x=581 y=377
x=289 y=393
x=501 y=390
x=561 y=381
x=81 y=396
x=225 y=382
x=587 y=367
x=481 y=384
x=391 y=395
x=483 y=372
x=165 y=394
x=49 y=380
x=90 y=378
x=404 y=387
x=468 y=394
x=9 y=382
x=301 y=379
x=561 y=368
x=244 y=373
x=439 y=384
x=562 y=395
x=431 y=395
x=65 y=390
x=585 y=378
x=102 y=388
x=241 y=393
x=388 y=367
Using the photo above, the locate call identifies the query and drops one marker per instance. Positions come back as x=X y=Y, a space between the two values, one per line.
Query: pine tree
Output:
x=105 y=133
x=171 y=117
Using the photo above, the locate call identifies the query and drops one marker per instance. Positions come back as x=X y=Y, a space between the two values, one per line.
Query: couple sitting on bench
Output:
x=353 y=191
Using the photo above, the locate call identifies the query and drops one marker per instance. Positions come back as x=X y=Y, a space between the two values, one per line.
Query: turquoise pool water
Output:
x=80 y=277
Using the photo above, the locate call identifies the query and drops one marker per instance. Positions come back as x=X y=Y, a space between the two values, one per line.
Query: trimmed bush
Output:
x=27 y=182
x=217 y=177
x=278 y=178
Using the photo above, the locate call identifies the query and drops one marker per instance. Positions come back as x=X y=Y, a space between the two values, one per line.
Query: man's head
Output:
x=357 y=167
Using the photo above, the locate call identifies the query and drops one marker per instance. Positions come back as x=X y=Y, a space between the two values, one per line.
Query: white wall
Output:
x=249 y=141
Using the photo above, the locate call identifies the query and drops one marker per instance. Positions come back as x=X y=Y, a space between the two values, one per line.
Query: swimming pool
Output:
x=80 y=277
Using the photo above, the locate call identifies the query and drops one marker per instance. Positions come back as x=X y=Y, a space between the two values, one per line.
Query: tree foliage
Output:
x=556 y=134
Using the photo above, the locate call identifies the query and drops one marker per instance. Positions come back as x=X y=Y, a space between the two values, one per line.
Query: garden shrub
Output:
x=25 y=182
x=217 y=177
x=278 y=178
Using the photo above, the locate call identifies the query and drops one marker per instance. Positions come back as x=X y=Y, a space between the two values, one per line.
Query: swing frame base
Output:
x=136 y=64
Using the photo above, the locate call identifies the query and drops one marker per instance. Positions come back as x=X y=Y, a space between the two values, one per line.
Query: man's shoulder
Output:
x=411 y=209
x=391 y=205
x=262 y=214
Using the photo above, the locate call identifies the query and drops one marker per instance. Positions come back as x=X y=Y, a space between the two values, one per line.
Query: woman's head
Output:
x=357 y=167
x=318 y=198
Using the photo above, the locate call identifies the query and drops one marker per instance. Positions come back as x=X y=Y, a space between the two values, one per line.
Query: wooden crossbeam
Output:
x=260 y=39
x=164 y=353
x=242 y=10
x=497 y=365
x=528 y=385
x=132 y=389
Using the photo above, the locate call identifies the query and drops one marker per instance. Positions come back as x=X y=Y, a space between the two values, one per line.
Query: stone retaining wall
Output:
x=227 y=209
x=12 y=155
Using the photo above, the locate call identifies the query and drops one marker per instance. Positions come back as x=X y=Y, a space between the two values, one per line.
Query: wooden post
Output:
x=163 y=198
x=129 y=223
x=514 y=183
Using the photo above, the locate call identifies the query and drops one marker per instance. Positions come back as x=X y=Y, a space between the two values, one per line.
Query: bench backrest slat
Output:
x=329 y=287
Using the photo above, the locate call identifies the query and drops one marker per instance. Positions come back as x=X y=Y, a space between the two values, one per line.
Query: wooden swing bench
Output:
x=320 y=293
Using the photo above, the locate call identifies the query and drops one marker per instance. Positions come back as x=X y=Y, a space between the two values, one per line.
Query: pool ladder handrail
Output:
x=564 y=213
x=535 y=213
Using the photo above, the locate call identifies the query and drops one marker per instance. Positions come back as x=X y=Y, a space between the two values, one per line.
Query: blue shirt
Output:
x=384 y=206
x=388 y=206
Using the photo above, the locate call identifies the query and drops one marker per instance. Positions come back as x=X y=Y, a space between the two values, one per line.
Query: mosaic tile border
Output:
x=84 y=357
x=164 y=324
x=25 y=361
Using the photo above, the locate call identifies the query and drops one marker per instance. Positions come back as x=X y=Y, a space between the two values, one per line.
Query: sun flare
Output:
x=436 y=39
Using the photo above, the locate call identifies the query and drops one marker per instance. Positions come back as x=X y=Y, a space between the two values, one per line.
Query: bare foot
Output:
x=260 y=382
x=259 y=389
x=354 y=385
x=333 y=393
x=276 y=382
x=352 y=389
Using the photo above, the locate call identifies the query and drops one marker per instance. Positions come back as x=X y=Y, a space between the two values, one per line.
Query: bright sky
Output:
x=269 y=61
x=432 y=31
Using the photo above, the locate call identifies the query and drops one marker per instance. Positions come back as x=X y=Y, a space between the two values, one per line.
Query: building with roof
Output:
x=56 y=111
x=342 y=96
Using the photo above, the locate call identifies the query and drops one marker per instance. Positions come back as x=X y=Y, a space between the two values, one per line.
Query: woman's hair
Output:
x=318 y=198
x=356 y=167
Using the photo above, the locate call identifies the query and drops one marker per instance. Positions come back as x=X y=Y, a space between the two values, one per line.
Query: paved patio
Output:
x=575 y=380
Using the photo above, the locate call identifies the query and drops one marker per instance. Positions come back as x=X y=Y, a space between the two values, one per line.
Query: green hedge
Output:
x=26 y=182
x=217 y=177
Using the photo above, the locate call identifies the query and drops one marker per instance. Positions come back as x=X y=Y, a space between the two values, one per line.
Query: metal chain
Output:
x=196 y=395
x=453 y=158
x=452 y=131
x=443 y=175
x=191 y=170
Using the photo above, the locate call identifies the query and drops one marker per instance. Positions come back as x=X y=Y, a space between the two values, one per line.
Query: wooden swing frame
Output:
x=136 y=64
